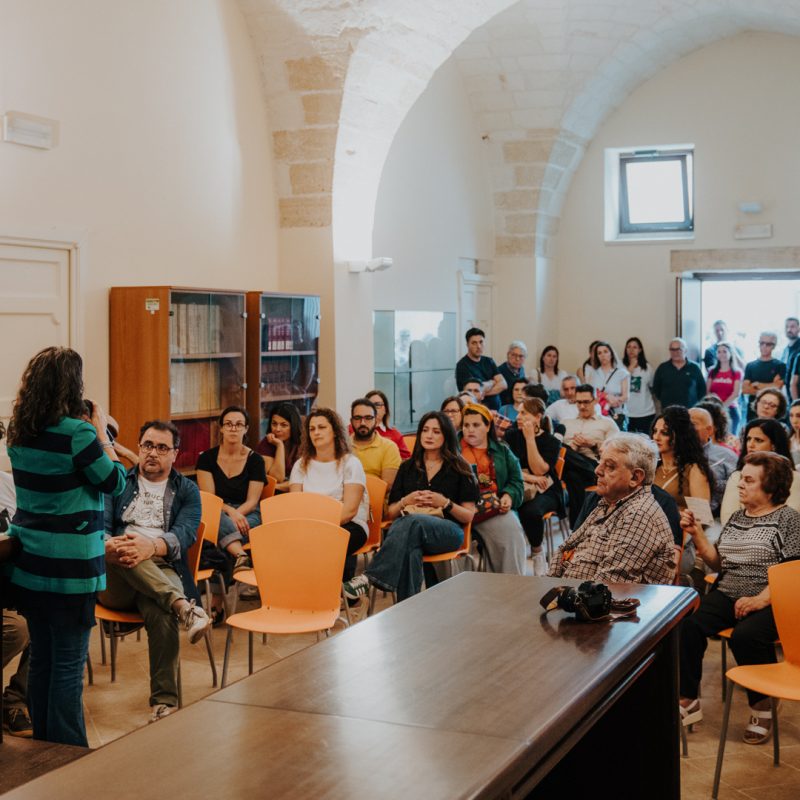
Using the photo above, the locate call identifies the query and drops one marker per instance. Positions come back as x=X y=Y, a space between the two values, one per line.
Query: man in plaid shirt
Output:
x=626 y=538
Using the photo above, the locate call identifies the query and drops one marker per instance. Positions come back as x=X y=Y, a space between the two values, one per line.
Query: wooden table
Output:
x=466 y=690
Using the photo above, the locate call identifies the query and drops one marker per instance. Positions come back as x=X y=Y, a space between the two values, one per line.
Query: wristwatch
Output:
x=446 y=509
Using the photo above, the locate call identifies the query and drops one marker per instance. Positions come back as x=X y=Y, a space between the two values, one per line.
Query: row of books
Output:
x=277 y=333
x=194 y=386
x=195 y=328
x=279 y=377
x=195 y=438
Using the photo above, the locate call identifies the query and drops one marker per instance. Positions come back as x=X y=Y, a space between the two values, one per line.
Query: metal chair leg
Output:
x=724 y=660
x=180 y=684
x=210 y=651
x=113 y=644
x=347 y=616
x=228 y=640
x=89 y=670
x=684 y=742
x=250 y=652
x=722 y=736
x=776 y=748
x=102 y=643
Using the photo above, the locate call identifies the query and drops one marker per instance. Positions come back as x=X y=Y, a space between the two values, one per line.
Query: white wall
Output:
x=736 y=100
x=163 y=171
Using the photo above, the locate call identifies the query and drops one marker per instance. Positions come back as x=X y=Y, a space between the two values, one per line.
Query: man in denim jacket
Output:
x=150 y=528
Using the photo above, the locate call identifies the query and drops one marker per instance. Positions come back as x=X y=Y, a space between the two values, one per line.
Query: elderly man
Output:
x=626 y=538
x=722 y=460
x=587 y=432
x=765 y=371
x=678 y=382
x=513 y=368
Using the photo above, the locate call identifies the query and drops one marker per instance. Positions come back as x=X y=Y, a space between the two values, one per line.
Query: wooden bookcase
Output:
x=178 y=354
x=282 y=355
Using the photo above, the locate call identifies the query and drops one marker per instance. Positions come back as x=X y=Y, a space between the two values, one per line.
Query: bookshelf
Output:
x=282 y=354
x=177 y=354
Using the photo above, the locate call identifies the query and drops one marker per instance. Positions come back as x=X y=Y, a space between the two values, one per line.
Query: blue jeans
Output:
x=55 y=679
x=397 y=566
x=733 y=413
x=229 y=533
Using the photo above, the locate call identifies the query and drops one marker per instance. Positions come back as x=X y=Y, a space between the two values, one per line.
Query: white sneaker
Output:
x=195 y=622
x=160 y=711
x=539 y=564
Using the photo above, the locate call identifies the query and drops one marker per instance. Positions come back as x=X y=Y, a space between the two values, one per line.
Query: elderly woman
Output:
x=770 y=403
x=500 y=482
x=760 y=435
x=762 y=534
x=452 y=408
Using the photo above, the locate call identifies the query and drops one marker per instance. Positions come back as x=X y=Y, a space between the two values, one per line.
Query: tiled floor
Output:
x=115 y=709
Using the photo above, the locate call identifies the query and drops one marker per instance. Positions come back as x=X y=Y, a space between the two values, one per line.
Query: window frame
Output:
x=638 y=157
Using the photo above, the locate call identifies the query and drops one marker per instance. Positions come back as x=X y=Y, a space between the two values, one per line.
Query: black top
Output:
x=549 y=448
x=233 y=491
x=483 y=370
x=454 y=486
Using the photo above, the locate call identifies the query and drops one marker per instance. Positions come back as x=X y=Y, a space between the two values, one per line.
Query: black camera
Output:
x=111 y=433
x=589 y=601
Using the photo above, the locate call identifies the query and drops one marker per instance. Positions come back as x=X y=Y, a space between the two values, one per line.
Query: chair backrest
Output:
x=376 y=489
x=269 y=487
x=193 y=556
x=212 y=511
x=308 y=582
x=410 y=439
x=784 y=589
x=562 y=458
x=301 y=505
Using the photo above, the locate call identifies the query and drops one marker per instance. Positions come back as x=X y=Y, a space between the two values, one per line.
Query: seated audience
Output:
x=150 y=528
x=432 y=498
x=500 y=482
x=587 y=432
x=725 y=381
x=765 y=371
x=760 y=436
x=281 y=446
x=565 y=408
x=452 y=408
x=234 y=472
x=476 y=366
x=641 y=407
x=379 y=456
x=719 y=415
x=537 y=450
x=326 y=466
x=384 y=428
x=678 y=382
x=770 y=403
x=794 y=439
x=762 y=533
x=512 y=369
x=721 y=459
x=518 y=393
x=549 y=375
x=610 y=381
x=471 y=391
x=626 y=538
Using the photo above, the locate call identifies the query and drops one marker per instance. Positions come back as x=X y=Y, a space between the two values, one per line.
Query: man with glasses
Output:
x=587 y=432
x=150 y=528
x=678 y=382
x=378 y=456
x=764 y=371
x=513 y=368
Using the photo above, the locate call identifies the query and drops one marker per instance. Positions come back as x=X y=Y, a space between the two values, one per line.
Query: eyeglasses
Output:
x=767 y=344
x=365 y=418
x=378 y=404
x=233 y=426
x=161 y=449
x=675 y=349
x=584 y=402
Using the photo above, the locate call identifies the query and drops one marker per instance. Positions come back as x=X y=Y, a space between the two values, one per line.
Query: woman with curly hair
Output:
x=432 y=498
x=760 y=436
x=683 y=469
x=326 y=466
x=63 y=464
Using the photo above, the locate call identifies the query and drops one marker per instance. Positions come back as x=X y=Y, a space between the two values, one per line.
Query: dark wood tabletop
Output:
x=444 y=695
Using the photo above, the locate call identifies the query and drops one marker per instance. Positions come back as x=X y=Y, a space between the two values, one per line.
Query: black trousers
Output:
x=531 y=513
x=752 y=642
x=357 y=539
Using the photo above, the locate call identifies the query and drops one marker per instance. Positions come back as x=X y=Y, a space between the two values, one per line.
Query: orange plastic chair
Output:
x=298 y=595
x=267 y=492
x=376 y=489
x=551 y=516
x=410 y=439
x=778 y=681
x=210 y=516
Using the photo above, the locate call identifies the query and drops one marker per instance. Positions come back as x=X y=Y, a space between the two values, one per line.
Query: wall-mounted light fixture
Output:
x=373 y=265
x=30 y=130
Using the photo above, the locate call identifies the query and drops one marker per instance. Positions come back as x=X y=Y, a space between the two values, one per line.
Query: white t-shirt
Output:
x=610 y=382
x=330 y=477
x=551 y=384
x=640 y=398
x=145 y=514
x=8 y=494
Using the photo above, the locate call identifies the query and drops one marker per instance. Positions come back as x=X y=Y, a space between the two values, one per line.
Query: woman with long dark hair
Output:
x=432 y=498
x=383 y=415
x=326 y=466
x=281 y=446
x=549 y=374
x=63 y=464
x=610 y=381
x=641 y=406
x=725 y=381
x=759 y=436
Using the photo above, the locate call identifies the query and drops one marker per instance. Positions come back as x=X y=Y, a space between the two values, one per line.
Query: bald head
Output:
x=703 y=424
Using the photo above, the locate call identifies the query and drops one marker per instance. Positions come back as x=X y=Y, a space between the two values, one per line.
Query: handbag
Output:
x=429 y=511
x=488 y=505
